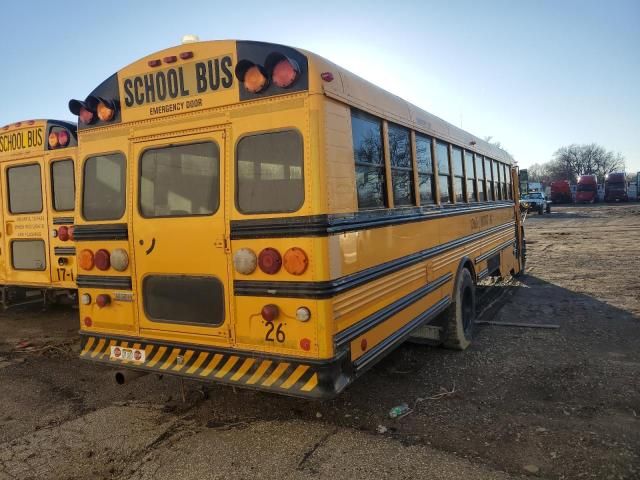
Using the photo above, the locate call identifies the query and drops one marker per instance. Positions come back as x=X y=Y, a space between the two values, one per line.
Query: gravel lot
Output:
x=522 y=402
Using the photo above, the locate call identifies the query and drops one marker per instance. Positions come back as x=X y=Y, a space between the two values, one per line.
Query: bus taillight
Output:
x=102 y=259
x=270 y=261
x=119 y=259
x=295 y=261
x=270 y=312
x=103 y=300
x=85 y=259
x=63 y=233
x=245 y=261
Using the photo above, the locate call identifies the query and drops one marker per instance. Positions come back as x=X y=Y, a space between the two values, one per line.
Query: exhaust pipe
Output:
x=125 y=376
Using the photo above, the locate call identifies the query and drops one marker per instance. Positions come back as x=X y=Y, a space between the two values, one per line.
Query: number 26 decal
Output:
x=274 y=334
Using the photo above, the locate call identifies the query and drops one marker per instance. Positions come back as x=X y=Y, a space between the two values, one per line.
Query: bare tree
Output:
x=571 y=161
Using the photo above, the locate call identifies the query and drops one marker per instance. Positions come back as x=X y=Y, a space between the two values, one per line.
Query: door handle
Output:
x=9 y=228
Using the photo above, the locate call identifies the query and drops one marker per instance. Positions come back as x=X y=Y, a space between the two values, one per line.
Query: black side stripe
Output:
x=323 y=225
x=331 y=288
x=400 y=335
x=109 y=231
x=493 y=251
x=63 y=221
x=348 y=334
x=99 y=281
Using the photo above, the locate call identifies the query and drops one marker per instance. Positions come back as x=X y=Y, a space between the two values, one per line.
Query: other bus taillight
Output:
x=103 y=300
x=270 y=261
x=63 y=233
x=119 y=259
x=245 y=261
x=270 y=312
x=85 y=259
x=102 y=259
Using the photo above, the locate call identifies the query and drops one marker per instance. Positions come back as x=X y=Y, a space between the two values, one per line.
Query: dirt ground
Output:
x=521 y=402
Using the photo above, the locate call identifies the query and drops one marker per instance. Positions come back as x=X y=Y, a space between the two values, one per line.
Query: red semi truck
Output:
x=561 y=191
x=587 y=191
x=615 y=188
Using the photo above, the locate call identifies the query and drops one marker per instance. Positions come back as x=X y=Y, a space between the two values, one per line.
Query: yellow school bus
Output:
x=37 y=188
x=255 y=215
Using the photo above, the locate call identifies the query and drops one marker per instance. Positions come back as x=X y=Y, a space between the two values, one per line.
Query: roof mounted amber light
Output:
x=53 y=140
x=253 y=77
x=106 y=110
x=284 y=71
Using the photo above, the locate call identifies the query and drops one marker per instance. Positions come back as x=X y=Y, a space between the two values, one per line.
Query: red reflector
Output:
x=327 y=76
x=269 y=261
x=103 y=300
x=154 y=63
x=88 y=322
x=186 y=55
x=305 y=344
x=6 y=127
x=17 y=124
x=363 y=344
x=270 y=312
x=170 y=59
x=101 y=259
x=63 y=233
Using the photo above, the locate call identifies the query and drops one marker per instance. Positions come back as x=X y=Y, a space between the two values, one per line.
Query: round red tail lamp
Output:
x=87 y=321
x=270 y=312
x=102 y=259
x=63 y=233
x=285 y=73
x=53 y=140
x=270 y=261
x=63 y=138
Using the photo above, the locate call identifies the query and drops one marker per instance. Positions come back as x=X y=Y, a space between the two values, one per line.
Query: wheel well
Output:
x=468 y=264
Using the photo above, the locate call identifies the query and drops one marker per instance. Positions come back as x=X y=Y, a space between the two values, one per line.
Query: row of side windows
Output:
x=462 y=176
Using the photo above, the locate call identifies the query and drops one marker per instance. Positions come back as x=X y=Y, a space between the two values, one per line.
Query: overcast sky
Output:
x=534 y=75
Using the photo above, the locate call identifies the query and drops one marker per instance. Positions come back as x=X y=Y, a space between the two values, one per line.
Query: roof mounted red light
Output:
x=63 y=138
x=31 y=122
x=285 y=73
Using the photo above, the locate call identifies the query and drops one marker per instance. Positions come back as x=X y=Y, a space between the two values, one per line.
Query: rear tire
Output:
x=541 y=210
x=460 y=317
x=548 y=208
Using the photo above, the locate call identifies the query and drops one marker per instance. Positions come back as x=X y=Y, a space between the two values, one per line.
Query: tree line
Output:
x=569 y=162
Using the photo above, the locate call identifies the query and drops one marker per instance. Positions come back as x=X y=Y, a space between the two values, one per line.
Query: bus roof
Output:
x=32 y=136
x=202 y=75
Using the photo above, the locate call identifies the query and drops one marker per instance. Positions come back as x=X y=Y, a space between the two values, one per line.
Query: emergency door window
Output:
x=104 y=190
x=63 y=186
x=28 y=255
x=25 y=189
x=180 y=181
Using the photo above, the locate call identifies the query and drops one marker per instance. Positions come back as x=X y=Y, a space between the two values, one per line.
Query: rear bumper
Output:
x=316 y=379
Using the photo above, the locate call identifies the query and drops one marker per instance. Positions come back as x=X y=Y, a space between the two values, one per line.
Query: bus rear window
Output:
x=104 y=192
x=269 y=173
x=25 y=189
x=180 y=180
x=63 y=185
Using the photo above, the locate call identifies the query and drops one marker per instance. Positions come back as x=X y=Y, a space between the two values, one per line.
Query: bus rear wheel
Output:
x=461 y=314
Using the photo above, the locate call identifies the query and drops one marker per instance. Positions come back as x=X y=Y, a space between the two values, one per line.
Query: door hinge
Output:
x=223 y=243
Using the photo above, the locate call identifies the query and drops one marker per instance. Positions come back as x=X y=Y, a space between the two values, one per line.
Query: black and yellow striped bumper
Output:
x=284 y=375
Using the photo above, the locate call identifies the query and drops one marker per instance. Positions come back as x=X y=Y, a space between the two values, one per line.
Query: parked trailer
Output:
x=561 y=192
x=587 y=191
x=615 y=188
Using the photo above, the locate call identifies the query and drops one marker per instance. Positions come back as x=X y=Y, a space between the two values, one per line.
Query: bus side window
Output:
x=366 y=131
x=401 y=166
x=482 y=191
x=269 y=173
x=488 y=176
x=425 y=169
x=471 y=178
x=458 y=174
x=496 y=181
x=442 y=154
